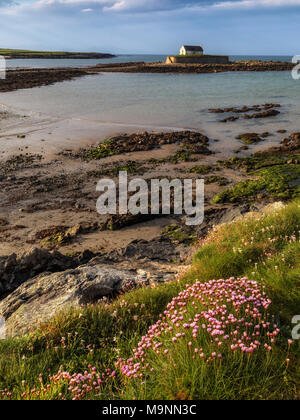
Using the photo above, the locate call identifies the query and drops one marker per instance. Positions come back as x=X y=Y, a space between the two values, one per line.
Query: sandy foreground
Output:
x=47 y=190
x=54 y=190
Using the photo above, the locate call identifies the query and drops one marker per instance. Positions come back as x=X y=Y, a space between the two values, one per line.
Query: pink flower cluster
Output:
x=231 y=314
x=5 y=395
x=78 y=384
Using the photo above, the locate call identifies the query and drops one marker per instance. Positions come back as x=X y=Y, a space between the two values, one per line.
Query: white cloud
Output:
x=254 y=4
x=139 y=6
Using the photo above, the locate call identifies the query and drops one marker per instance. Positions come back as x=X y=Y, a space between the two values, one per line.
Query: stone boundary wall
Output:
x=205 y=59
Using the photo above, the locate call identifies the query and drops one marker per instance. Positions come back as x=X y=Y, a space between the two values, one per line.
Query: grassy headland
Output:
x=192 y=338
x=11 y=53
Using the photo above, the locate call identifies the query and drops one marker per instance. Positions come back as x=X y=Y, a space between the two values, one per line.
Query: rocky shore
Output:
x=196 y=68
x=29 y=78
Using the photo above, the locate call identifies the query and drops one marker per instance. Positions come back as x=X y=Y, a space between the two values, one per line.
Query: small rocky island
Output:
x=195 y=55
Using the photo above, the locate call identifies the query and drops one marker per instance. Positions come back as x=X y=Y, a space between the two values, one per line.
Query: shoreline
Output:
x=240 y=66
x=48 y=135
x=25 y=78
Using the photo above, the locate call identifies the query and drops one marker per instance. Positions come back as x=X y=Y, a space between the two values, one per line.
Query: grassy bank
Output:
x=226 y=339
x=12 y=53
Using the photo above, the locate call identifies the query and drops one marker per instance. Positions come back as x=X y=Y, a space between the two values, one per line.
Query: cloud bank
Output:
x=140 y=6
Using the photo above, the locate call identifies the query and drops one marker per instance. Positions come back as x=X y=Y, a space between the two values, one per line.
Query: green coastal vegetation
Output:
x=274 y=175
x=15 y=53
x=195 y=337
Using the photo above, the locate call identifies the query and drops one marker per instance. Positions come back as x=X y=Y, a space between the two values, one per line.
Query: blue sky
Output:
x=152 y=26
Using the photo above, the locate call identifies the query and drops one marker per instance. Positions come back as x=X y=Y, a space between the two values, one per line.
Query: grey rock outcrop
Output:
x=16 y=270
x=39 y=298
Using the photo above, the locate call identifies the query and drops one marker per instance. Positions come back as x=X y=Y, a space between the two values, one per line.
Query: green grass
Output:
x=264 y=247
x=32 y=54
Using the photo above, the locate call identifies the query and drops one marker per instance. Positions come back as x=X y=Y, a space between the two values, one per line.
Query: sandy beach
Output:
x=48 y=189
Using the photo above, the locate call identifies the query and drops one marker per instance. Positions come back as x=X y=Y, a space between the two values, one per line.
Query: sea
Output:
x=161 y=101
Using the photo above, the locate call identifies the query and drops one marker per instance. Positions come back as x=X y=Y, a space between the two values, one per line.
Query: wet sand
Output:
x=33 y=132
x=53 y=190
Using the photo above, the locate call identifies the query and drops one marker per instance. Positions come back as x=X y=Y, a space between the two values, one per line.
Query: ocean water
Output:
x=164 y=101
x=42 y=63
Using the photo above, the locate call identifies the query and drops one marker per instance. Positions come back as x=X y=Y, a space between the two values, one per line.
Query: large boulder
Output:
x=16 y=270
x=39 y=298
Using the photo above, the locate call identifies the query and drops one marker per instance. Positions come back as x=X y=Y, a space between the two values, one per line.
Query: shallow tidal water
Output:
x=129 y=102
x=123 y=58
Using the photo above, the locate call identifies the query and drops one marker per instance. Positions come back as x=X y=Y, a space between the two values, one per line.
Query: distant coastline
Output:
x=27 y=54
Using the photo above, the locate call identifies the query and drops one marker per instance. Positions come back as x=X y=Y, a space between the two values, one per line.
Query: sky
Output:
x=242 y=27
